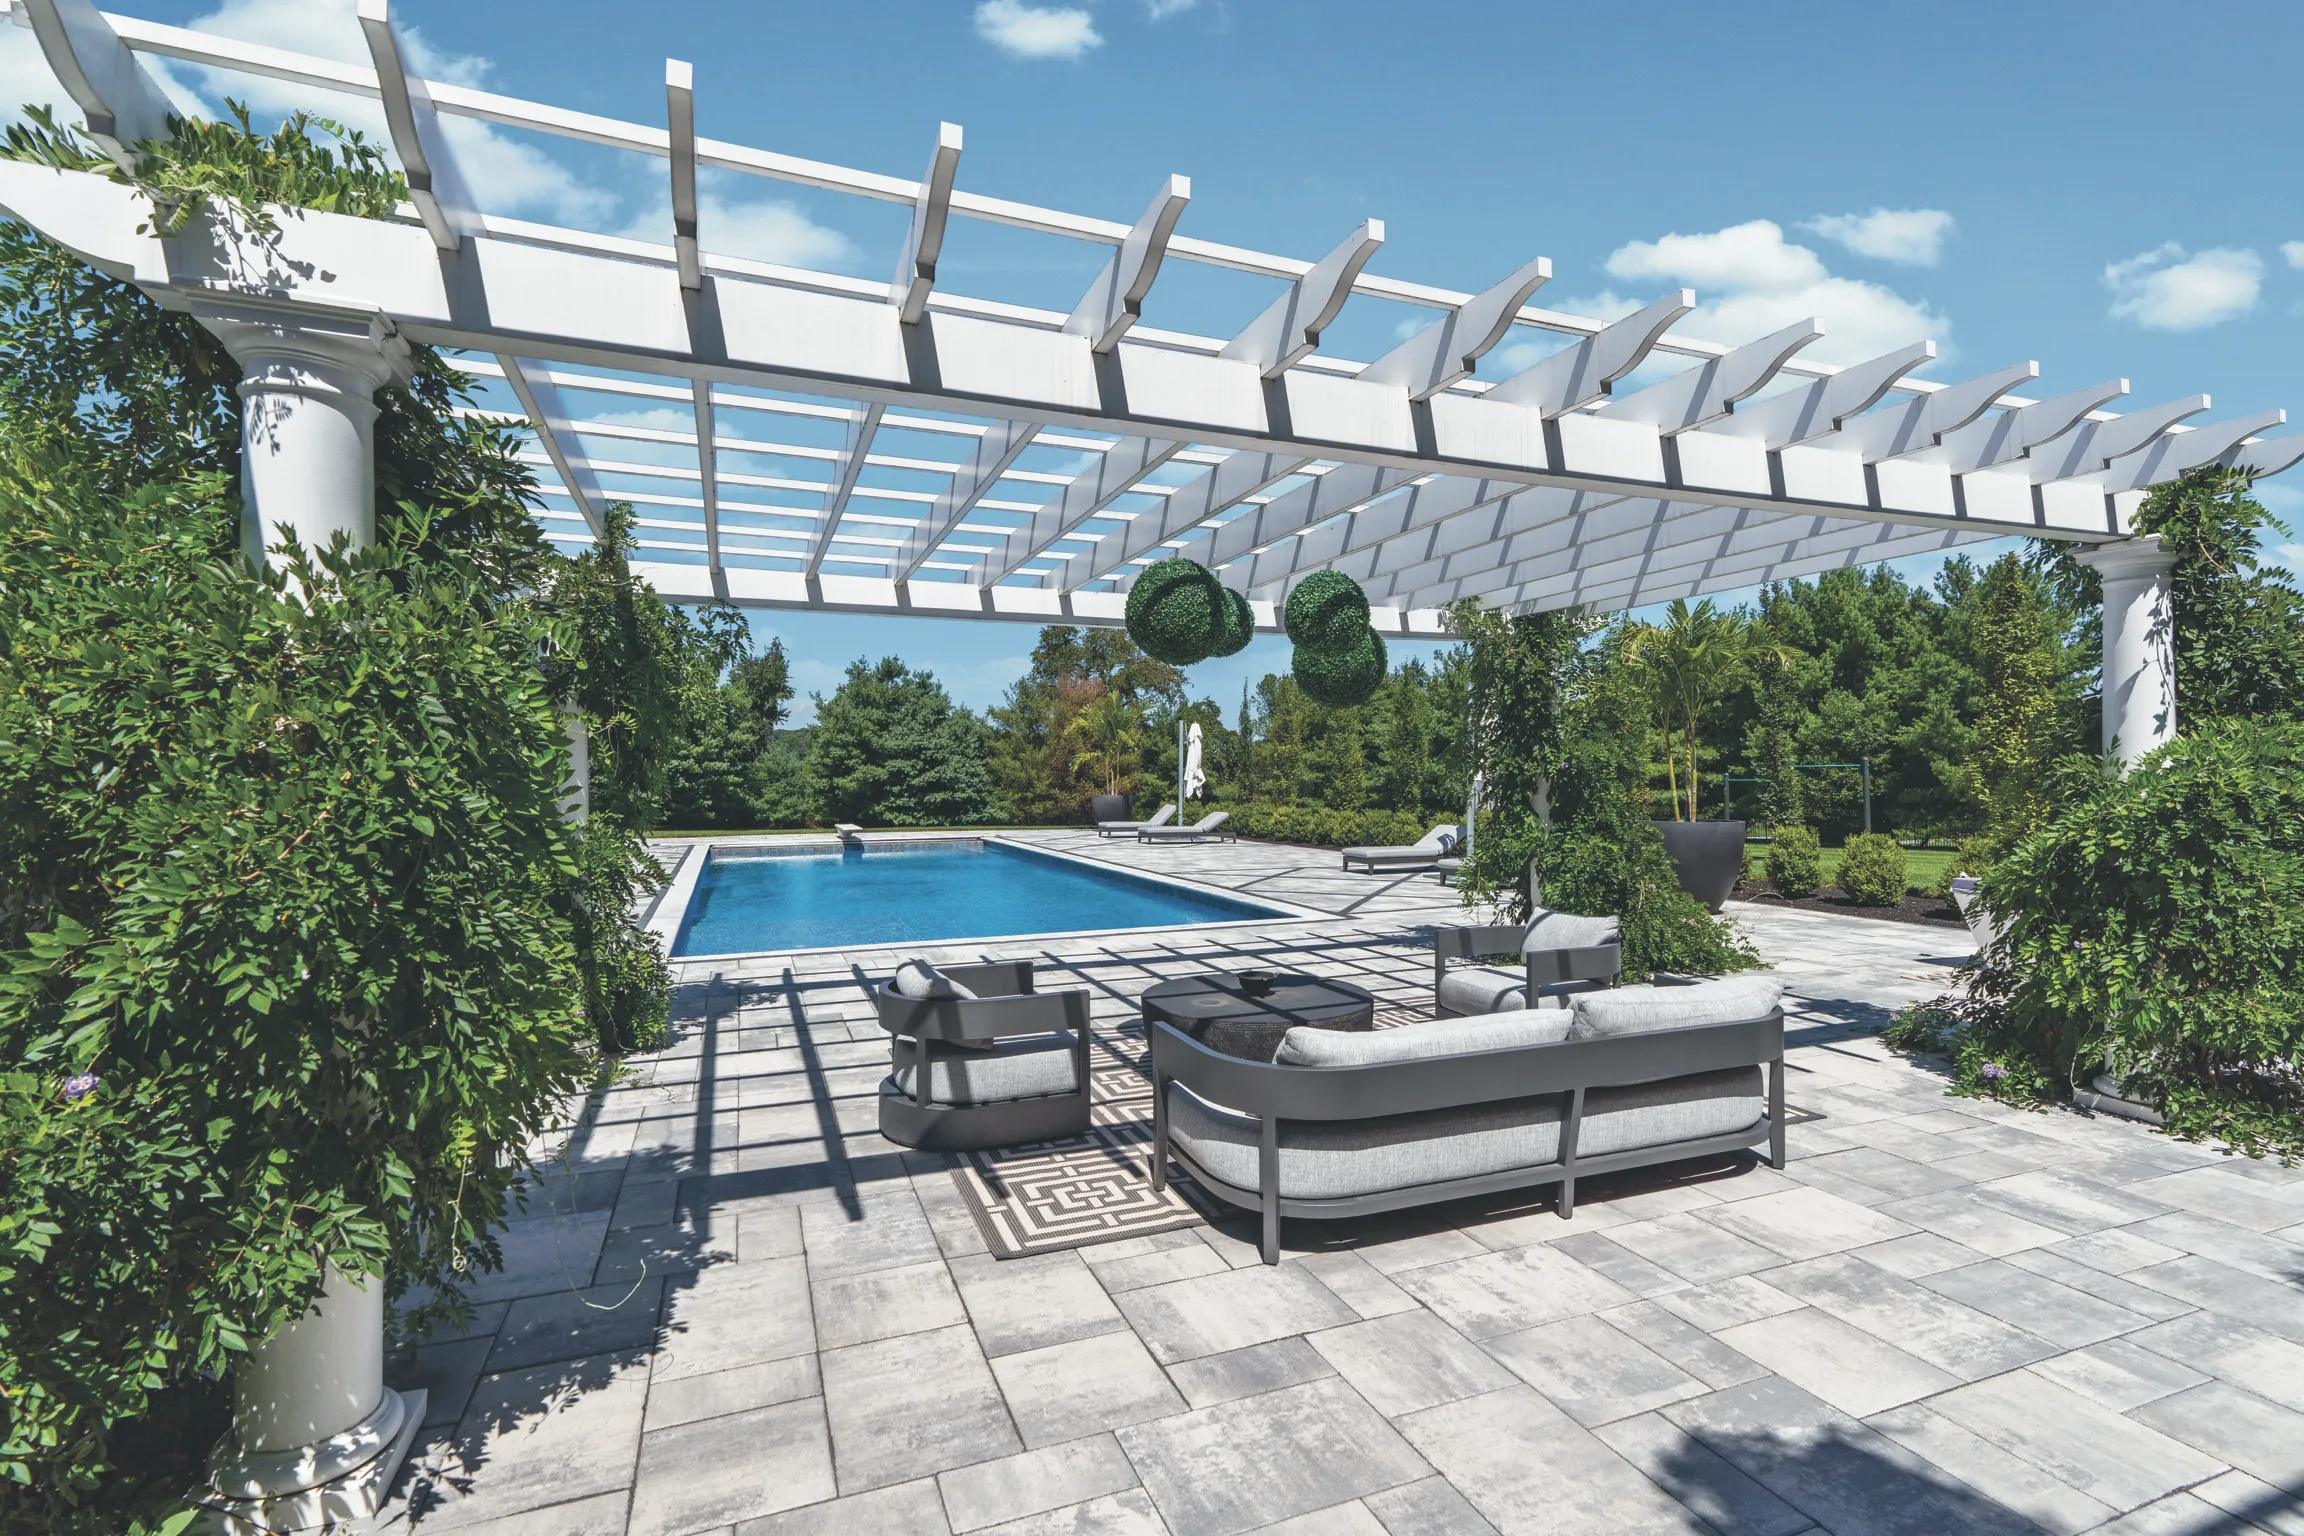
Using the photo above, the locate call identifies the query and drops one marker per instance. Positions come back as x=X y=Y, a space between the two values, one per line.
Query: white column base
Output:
x=350 y=1495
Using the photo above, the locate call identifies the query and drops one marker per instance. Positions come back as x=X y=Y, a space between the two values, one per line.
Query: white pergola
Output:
x=1257 y=454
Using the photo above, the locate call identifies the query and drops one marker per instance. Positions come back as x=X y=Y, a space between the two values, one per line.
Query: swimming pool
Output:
x=749 y=900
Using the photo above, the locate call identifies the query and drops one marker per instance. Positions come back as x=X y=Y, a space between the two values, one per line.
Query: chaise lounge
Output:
x=1425 y=853
x=1344 y=1125
x=1208 y=829
x=1160 y=818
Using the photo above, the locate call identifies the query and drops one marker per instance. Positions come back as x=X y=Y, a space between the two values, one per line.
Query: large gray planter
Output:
x=1709 y=856
x=1107 y=808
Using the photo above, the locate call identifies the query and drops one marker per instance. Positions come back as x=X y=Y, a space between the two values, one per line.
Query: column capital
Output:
x=2139 y=557
x=360 y=352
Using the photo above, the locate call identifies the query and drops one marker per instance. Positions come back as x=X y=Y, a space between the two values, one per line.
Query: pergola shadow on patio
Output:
x=744 y=1311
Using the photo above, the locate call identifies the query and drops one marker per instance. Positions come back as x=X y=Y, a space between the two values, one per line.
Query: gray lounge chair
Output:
x=1426 y=852
x=1348 y=1125
x=1562 y=954
x=1160 y=818
x=982 y=1060
x=1208 y=829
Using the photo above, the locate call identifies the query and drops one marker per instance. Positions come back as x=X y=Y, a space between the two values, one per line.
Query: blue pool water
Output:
x=747 y=902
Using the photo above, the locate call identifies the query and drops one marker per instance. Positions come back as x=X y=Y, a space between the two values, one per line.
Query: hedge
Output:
x=1322 y=827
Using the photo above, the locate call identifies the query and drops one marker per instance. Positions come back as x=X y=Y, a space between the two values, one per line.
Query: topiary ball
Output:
x=1342 y=681
x=1327 y=612
x=1239 y=625
x=1177 y=612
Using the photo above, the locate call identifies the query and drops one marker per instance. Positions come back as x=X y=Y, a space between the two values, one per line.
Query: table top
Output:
x=1295 y=998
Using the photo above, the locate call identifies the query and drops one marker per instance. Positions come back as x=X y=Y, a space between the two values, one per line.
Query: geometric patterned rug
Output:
x=1093 y=1188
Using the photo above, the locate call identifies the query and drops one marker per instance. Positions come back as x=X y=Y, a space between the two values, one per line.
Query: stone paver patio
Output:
x=733 y=1307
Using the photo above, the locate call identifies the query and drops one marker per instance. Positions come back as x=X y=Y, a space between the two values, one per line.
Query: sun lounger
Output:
x=1160 y=818
x=1208 y=829
x=1424 y=853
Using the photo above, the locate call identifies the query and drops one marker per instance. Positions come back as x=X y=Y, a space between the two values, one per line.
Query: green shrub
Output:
x=1795 y=862
x=1178 y=613
x=1326 y=612
x=1872 y=870
x=1341 y=679
x=1320 y=827
x=2154 y=925
x=1622 y=873
x=288 y=912
x=1239 y=625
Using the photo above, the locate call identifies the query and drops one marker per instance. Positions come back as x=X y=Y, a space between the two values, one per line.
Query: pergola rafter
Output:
x=1409 y=472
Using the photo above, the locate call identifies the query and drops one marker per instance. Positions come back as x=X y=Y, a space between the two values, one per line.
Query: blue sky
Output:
x=2110 y=189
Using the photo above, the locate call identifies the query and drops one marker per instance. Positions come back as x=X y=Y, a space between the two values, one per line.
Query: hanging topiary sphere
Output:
x=1342 y=681
x=1239 y=625
x=1177 y=612
x=1327 y=612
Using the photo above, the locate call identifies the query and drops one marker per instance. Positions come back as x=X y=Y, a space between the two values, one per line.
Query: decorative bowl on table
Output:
x=1258 y=982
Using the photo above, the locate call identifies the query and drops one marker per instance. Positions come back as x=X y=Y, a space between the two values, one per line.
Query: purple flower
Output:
x=1993 y=1069
x=78 y=1088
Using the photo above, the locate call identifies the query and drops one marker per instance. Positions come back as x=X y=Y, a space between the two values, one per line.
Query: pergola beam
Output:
x=860 y=434
x=1115 y=300
x=707 y=464
x=120 y=105
x=541 y=400
x=1114 y=473
x=1451 y=347
x=995 y=452
x=680 y=120
x=1583 y=371
x=1291 y=325
x=924 y=241
x=435 y=186
x=1225 y=485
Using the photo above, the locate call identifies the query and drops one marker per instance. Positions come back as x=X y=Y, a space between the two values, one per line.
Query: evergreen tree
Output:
x=1774 y=746
x=890 y=748
x=2016 y=742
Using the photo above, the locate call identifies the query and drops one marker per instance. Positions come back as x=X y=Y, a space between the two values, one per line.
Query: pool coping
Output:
x=671 y=909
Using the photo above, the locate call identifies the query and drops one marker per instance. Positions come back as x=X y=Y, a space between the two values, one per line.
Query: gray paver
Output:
x=1916 y=1244
x=1257 y=1460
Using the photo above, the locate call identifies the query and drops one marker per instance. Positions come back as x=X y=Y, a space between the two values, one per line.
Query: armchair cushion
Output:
x=1640 y=1010
x=1483 y=988
x=1015 y=1067
x=1569 y=930
x=917 y=978
x=1307 y=1047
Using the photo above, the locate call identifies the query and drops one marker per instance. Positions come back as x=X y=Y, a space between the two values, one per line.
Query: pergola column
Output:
x=2139 y=645
x=308 y=422
x=316 y=1435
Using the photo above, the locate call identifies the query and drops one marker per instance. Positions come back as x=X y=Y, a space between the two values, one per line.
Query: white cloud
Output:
x=2167 y=290
x=1161 y=10
x=1912 y=237
x=1758 y=282
x=2294 y=251
x=1036 y=32
x=768 y=229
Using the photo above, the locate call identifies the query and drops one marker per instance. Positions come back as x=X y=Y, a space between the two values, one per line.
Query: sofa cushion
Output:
x=1482 y=988
x=1336 y=1159
x=919 y=979
x=1569 y=930
x=1639 y=1010
x=1304 y=1046
x=1017 y=1067
x=1676 y=1109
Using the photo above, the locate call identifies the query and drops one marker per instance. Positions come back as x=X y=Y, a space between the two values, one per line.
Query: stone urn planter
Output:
x=1980 y=924
x=1709 y=856
x=1107 y=808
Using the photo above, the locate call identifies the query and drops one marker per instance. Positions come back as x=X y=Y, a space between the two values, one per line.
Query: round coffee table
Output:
x=1218 y=1010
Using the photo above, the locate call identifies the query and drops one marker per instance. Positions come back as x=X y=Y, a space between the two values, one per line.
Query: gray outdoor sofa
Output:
x=1561 y=954
x=1004 y=1064
x=1343 y=1124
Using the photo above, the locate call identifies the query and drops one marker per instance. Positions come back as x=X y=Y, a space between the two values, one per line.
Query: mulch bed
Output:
x=1932 y=911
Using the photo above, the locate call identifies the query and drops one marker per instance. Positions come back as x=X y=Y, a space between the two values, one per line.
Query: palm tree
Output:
x=1690 y=662
x=1107 y=730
